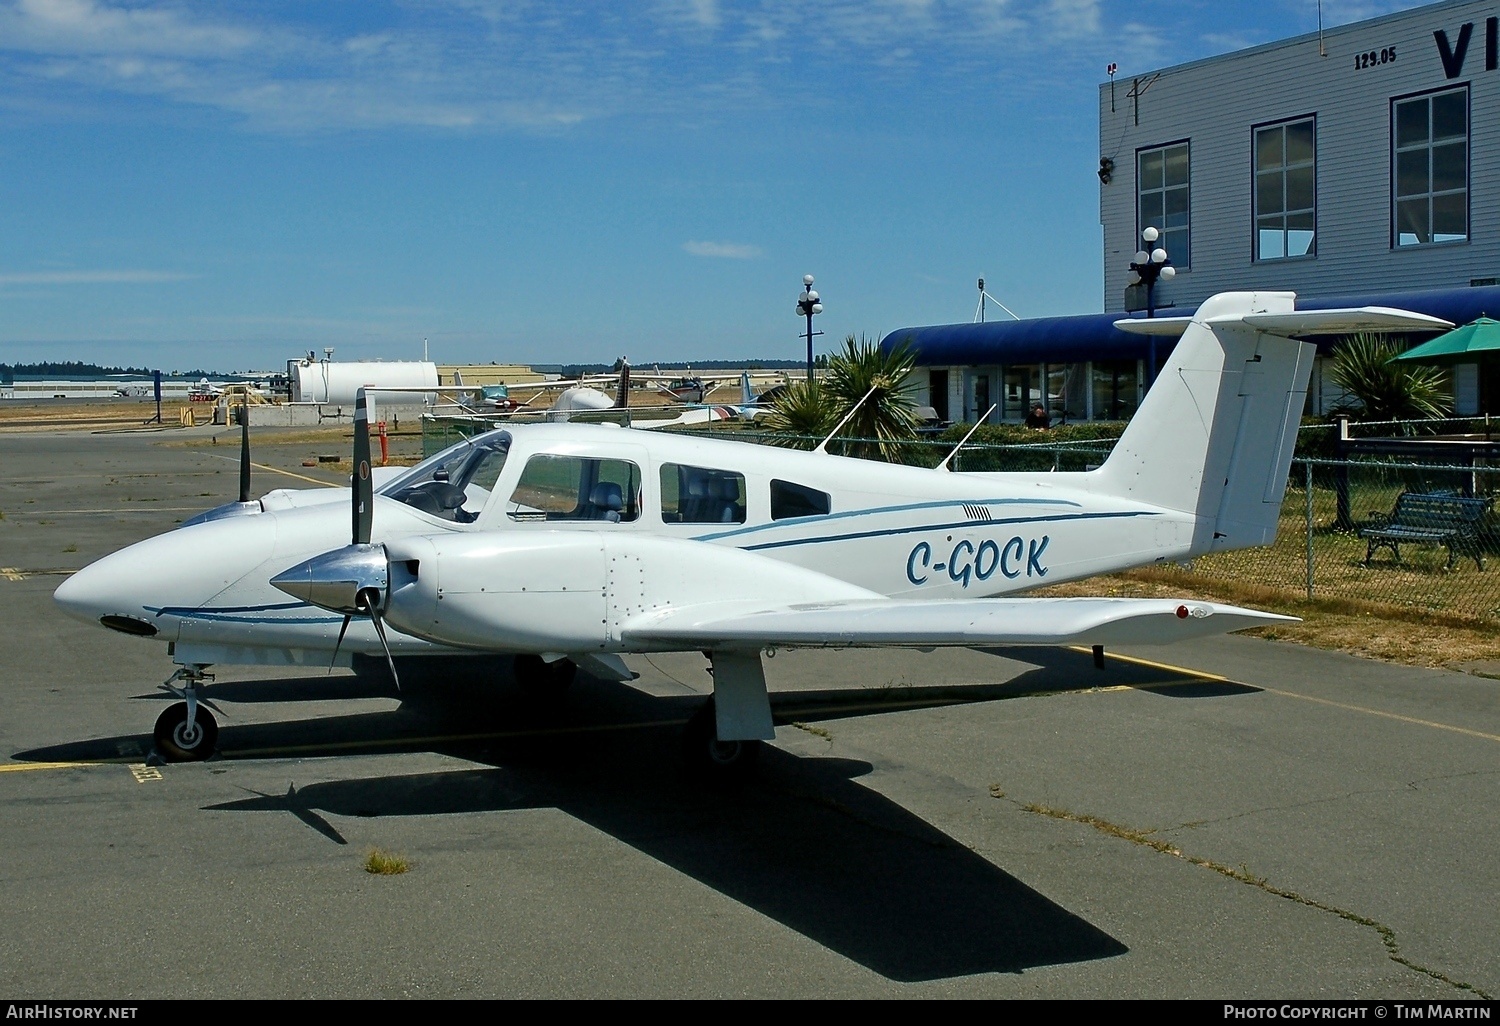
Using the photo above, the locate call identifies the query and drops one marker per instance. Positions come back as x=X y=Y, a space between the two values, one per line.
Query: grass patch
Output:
x=385 y=863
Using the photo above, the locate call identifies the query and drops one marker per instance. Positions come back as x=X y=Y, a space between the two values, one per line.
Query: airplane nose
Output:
x=87 y=595
x=129 y=590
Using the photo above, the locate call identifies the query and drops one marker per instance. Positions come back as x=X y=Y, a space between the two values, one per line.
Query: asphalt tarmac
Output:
x=1234 y=818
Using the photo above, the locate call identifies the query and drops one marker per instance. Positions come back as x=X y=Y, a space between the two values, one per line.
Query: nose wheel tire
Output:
x=175 y=742
x=716 y=762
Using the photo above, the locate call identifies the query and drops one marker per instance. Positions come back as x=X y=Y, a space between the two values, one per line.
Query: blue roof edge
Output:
x=1080 y=337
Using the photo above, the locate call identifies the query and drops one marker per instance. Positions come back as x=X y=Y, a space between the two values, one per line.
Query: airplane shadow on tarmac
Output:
x=803 y=843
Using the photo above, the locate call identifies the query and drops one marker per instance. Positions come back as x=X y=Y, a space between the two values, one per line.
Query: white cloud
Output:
x=500 y=65
x=723 y=250
x=86 y=26
x=1074 y=17
x=124 y=277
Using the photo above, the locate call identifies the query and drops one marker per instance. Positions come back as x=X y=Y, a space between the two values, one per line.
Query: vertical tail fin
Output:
x=622 y=391
x=1215 y=435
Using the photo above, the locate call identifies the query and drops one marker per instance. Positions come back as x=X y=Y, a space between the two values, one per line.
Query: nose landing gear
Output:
x=187 y=731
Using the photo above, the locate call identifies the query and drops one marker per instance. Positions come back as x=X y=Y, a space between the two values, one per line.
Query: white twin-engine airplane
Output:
x=567 y=544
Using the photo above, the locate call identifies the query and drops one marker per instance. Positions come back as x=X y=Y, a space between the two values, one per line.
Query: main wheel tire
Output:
x=716 y=762
x=543 y=680
x=175 y=743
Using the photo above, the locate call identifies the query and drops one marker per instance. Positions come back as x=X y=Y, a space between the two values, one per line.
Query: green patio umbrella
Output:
x=1466 y=344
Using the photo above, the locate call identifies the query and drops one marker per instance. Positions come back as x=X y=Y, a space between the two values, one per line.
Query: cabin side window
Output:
x=576 y=488
x=790 y=500
x=455 y=484
x=700 y=495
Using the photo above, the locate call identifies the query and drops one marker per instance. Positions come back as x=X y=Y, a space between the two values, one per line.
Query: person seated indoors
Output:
x=1038 y=418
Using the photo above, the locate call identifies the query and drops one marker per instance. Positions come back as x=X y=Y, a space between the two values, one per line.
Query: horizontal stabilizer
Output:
x=1169 y=327
x=1299 y=322
x=1345 y=321
x=855 y=624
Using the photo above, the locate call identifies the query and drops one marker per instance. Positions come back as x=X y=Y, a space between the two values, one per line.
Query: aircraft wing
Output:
x=961 y=623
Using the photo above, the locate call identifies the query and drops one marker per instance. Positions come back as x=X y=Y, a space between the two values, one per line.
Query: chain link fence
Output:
x=1333 y=510
x=1342 y=536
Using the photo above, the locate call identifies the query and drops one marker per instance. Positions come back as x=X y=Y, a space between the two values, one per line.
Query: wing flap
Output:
x=964 y=623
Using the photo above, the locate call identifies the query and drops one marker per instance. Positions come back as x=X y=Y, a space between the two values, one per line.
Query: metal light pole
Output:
x=807 y=305
x=1149 y=265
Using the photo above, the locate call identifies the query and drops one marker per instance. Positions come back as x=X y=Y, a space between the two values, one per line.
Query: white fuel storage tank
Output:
x=337 y=383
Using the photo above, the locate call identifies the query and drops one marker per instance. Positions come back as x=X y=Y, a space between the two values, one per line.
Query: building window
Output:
x=1161 y=186
x=1286 y=190
x=1116 y=389
x=1431 y=173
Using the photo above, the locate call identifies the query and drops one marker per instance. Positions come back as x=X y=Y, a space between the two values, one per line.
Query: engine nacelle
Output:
x=579 y=591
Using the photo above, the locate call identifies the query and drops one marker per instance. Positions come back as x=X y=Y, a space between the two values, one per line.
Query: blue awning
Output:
x=1095 y=337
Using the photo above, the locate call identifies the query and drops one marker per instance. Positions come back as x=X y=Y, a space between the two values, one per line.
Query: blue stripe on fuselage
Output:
x=960 y=525
x=827 y=517
x=226 y=614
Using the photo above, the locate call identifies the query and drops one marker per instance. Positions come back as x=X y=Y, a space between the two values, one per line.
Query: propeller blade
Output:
x=340 y=643
x=380 y=630
x=363 y=491
x=245 y=448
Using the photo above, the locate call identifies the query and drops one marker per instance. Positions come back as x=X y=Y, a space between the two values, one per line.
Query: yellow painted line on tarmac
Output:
x=1388 y=715
x=278 y=470
x=15 y=573
x=1416 y=721
x=1201 y=675
x=24 y=767
x=299 y=477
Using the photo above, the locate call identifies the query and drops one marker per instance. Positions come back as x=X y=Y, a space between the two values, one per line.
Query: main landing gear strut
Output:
x=187 y=731
x=724 y=738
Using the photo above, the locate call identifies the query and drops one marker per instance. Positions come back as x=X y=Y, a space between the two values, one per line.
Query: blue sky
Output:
x=229 y=184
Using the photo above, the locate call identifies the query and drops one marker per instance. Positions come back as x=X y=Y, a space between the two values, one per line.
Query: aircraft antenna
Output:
x=948 y=458
x=823 y=446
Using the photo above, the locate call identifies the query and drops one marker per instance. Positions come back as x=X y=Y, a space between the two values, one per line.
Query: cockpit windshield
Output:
x=455 y=484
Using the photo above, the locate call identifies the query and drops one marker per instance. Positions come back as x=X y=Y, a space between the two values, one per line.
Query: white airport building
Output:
x=1359 y=165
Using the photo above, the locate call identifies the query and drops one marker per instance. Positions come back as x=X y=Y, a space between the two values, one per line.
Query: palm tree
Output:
x=882 y=421
x=889 y=416
x=800 y=413
x=1381 y=389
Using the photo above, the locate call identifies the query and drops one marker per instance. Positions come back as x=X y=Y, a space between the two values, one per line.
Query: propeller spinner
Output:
x=351 y=580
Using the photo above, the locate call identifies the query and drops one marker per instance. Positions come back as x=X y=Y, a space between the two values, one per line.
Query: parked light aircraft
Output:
x=581 y=397
x=568 y=544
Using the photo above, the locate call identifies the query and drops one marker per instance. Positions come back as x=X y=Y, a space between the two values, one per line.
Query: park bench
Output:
x=1429 y=519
